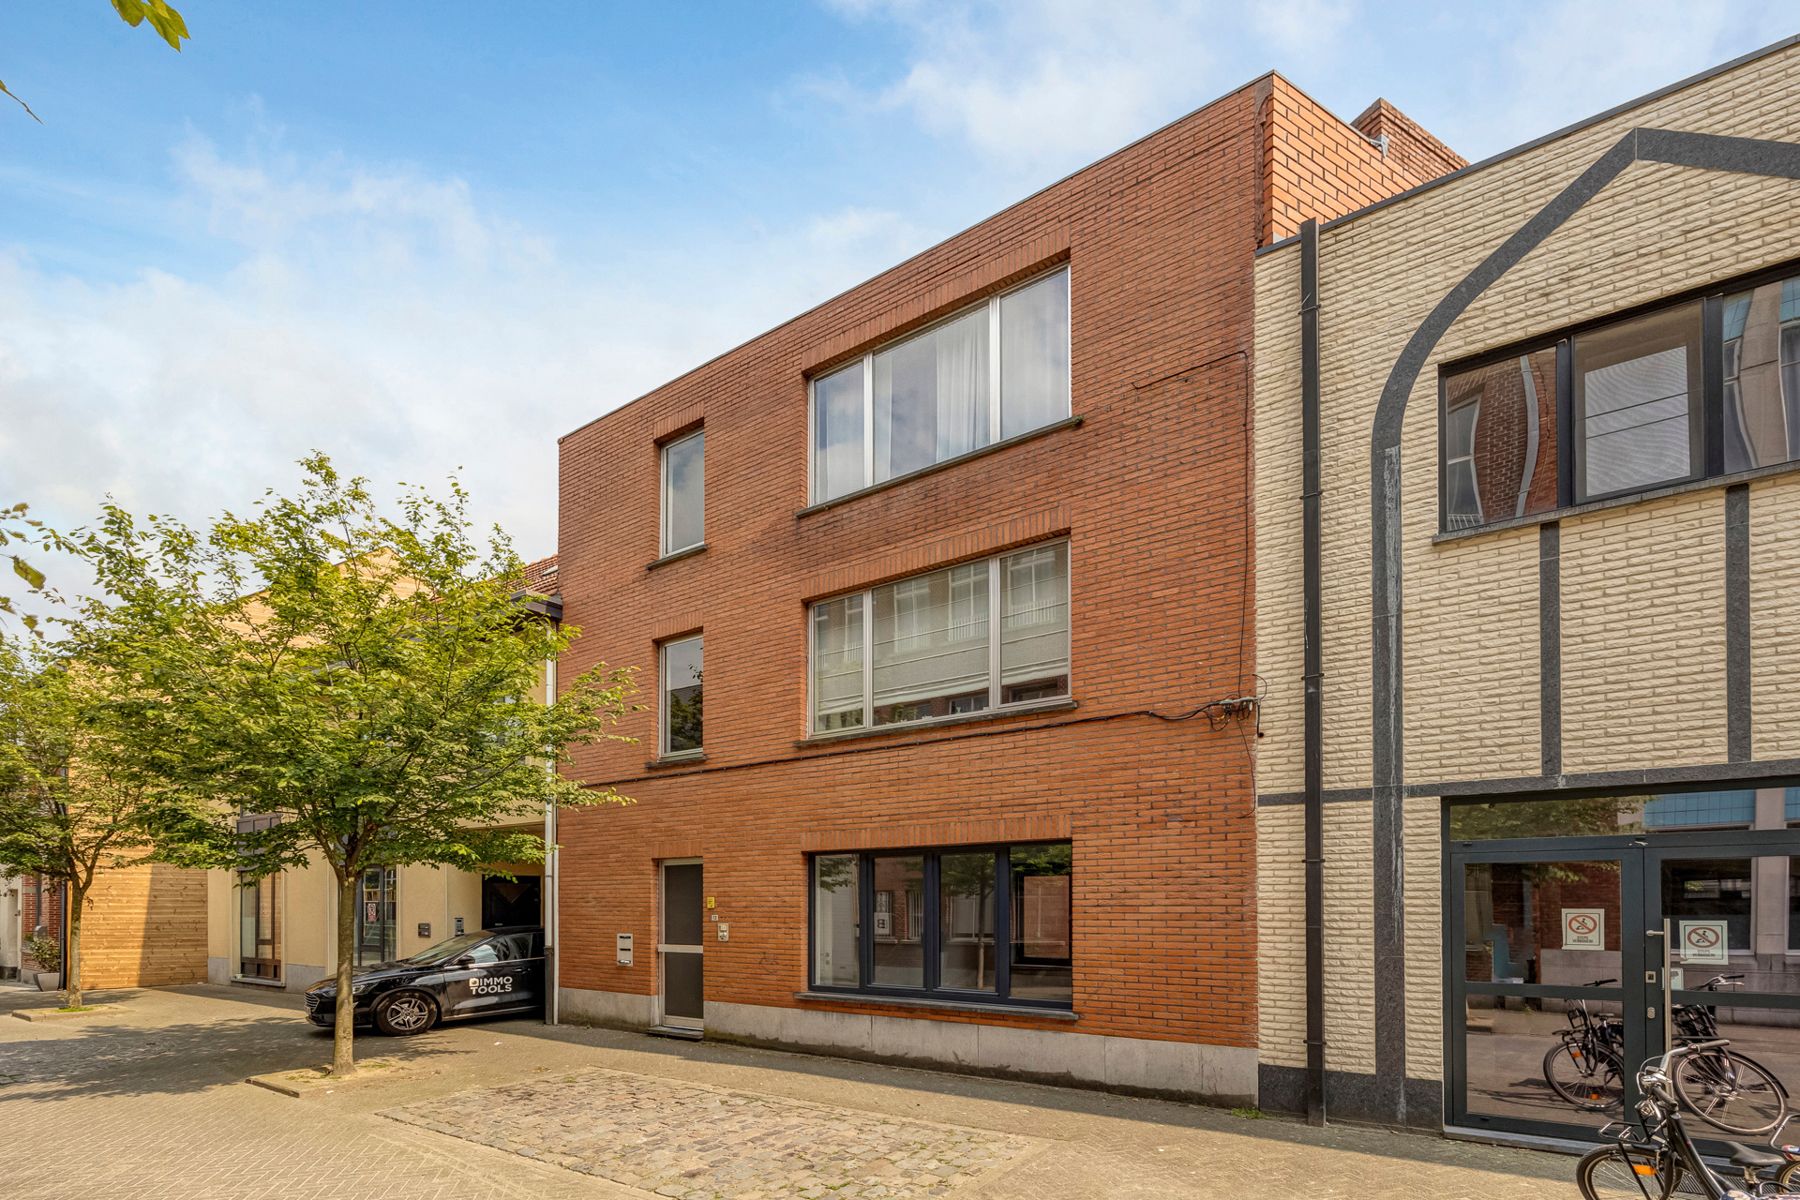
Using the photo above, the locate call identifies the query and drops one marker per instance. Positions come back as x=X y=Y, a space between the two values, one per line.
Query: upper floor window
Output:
x=1761 y=363
x=991 y=372
x=683 y=672
x=684 y=493
x=961 y=640
x=1692 y=390
x=1637 y=393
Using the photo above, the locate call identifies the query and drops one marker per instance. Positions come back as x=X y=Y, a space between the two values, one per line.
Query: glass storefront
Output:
x=1560 y=909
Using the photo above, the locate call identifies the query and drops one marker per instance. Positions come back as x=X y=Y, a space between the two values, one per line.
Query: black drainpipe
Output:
x=1314 y=671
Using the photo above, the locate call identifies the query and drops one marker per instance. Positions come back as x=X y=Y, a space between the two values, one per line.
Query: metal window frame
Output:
x=666 y=542
x=662 y=694
x=1706 y=403
x=867 y=607
x=995 y=380
x=931 y=939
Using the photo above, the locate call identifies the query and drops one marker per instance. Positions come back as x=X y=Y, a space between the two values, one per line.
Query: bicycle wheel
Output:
x=1730 y=1092
x=1788 y=1178
x=1591 y=1080
x=1623 y=1173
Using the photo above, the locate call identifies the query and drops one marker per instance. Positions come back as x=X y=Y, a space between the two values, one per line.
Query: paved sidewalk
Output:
x=147 y=1101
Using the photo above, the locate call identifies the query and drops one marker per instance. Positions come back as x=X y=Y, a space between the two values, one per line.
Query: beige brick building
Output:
x=1558 y=431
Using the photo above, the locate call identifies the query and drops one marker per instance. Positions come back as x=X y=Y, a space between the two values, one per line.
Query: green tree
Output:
x=18 y=529
x=160 y=15
x=72 y=802
x=366 y=679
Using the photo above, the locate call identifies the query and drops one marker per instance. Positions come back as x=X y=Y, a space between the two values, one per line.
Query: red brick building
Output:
x=942 y=600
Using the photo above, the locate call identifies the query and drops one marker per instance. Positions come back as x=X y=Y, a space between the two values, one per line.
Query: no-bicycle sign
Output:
x=1705 y=942
x=1584 y=928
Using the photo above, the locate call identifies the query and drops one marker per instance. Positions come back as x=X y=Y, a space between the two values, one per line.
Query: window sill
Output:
x=247 y=981
x=677 y=556
x=896 y=481
x=1031 y=708
x=693 y=758
x=975 y=1006
x=1575 y=510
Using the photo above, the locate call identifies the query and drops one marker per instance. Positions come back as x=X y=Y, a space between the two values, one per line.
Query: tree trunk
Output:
x=343 y=1060
x=72 y=957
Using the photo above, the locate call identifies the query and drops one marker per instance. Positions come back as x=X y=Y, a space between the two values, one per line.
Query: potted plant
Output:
x=47 y=952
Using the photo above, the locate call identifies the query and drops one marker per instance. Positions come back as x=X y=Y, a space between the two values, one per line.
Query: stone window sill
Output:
x=676 y=760
x=666 y=559
x=1030 y=708
x=247 y=981
x=946 y=464
x=965 y=1006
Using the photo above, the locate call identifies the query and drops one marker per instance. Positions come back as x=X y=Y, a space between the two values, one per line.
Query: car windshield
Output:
x=448 y=951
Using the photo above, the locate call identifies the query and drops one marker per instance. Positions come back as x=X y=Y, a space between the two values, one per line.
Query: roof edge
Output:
x=1247 y=85
x=1667 y=89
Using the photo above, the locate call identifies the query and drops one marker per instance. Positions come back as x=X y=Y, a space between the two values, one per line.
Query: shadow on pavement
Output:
x=136 y=1050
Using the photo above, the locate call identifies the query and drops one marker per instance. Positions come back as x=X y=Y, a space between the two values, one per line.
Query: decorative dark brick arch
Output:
x=1704 y=151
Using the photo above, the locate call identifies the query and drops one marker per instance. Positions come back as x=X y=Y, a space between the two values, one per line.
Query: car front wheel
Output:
x=405 y=1013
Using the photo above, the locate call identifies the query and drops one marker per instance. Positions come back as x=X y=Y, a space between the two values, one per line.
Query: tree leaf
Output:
x=30 y=574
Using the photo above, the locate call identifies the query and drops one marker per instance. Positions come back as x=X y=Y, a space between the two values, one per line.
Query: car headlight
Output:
x=359 y=987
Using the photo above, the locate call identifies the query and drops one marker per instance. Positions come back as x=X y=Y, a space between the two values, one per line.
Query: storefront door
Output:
x=1555 y=952
x=376 y=909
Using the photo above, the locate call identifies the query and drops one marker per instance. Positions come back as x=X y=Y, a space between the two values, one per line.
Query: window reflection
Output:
x=1636 y=393
x=1761 y=363
x=1500 y=440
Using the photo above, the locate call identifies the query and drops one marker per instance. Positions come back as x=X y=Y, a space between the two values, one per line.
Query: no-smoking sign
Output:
x=1584 y=928
x=1705 y=942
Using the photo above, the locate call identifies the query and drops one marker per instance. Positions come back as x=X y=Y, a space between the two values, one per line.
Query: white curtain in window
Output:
x=962 y=385
x=1034 y=617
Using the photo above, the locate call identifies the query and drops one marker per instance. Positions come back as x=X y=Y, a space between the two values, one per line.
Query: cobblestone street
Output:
x=147 y=1100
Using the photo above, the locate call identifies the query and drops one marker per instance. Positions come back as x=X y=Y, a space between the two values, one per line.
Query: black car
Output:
x=479 y=974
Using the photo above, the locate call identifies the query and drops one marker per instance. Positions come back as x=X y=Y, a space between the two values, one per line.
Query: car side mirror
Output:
x=467 y=960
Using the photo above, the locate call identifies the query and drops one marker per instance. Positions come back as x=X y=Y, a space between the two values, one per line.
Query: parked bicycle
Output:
x=1655 y=1156
x=1587 y=1065
x=1724 y=1088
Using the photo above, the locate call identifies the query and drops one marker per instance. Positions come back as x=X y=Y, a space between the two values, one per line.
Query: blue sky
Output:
x=431 y=237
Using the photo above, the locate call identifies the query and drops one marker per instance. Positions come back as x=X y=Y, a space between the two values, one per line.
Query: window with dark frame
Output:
x=982 y=924
x=1693 y=389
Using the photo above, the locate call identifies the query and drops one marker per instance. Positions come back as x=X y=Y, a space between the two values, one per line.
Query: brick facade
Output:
x=1152 y=490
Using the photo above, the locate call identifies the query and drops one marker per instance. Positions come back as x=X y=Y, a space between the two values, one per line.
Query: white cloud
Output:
x=1571 y=59
x=381 y=314
x=1046 y=83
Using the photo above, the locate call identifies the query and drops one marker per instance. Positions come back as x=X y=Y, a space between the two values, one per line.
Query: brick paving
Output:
x=147 y=1101
x=692 y=1142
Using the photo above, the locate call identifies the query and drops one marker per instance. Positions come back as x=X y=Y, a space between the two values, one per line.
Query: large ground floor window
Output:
x=988 y=924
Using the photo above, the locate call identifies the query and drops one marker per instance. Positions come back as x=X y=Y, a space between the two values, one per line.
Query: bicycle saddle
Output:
x=1749 y=1156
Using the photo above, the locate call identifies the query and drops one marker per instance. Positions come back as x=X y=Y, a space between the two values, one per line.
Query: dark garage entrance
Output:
x=507 y=902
